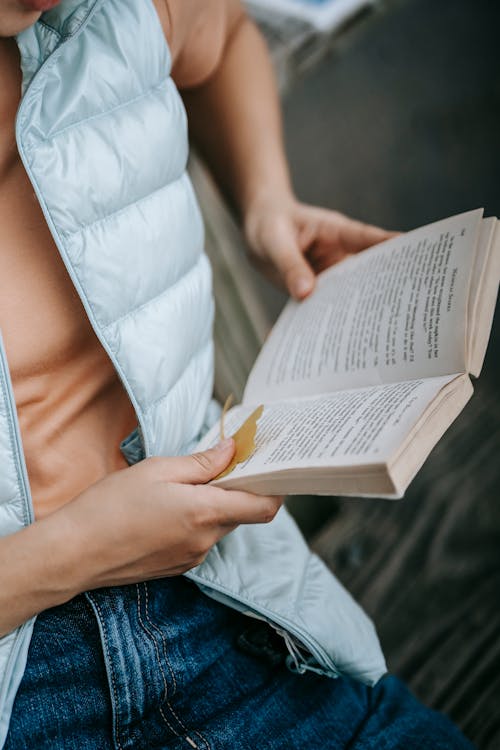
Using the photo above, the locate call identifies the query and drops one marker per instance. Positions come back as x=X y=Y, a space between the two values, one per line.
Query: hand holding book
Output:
x=291 y=241
x=361 y=379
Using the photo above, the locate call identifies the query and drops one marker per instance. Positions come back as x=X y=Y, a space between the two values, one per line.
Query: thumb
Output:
x=293 y=268
x=201 y=467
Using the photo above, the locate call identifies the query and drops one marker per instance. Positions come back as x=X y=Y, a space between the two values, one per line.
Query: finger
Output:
x=197 y=468
x=235 y=508
x=353 y=236
x=356 y=238
x=293 y=268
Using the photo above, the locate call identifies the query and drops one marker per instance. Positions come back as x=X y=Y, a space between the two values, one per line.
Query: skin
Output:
x=14 y=17
x=104 y=536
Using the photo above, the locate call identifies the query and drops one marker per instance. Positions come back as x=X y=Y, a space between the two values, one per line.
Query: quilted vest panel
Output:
x=103 y=135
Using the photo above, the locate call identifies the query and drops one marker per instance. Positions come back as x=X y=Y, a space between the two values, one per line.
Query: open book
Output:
x=360 y=380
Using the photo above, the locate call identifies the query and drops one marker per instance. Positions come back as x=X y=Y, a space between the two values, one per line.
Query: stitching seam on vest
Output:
x=34 y=87
x=146 y=303
x=51 y=28
x=9 y=500
x=98 y=115
x=12 y=441
x=113 y=214
x=80 y=16
x=193 y=360
x=29 y=58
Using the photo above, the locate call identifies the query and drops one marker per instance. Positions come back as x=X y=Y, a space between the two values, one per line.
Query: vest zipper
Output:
x=16 y=435
x=280 y=625
x=22 y=634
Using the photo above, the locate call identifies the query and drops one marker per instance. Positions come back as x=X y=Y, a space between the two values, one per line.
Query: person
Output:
x=106 y=375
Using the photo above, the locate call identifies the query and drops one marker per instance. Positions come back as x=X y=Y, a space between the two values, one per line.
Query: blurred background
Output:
x=395 y=120
x=399 y=126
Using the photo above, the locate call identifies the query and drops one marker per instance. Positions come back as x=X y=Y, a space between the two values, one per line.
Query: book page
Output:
x=393 y=312
x=483 y=294
x=347 y=428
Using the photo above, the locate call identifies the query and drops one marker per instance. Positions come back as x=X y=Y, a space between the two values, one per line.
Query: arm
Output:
x=105 y=537
x=235 y=120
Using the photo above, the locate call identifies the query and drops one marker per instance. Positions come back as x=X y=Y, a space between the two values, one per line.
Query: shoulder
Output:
x=197 y=32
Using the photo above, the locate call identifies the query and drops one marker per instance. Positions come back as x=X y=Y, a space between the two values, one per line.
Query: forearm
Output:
x=35 y=566
x=235 y=121
x=156 y=519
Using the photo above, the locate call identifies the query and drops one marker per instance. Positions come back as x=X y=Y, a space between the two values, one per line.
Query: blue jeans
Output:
x=159 y=665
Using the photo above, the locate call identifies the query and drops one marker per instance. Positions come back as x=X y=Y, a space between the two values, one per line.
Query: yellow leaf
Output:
x=244 y=439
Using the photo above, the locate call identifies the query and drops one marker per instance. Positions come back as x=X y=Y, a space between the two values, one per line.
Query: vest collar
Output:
x=55 y=26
